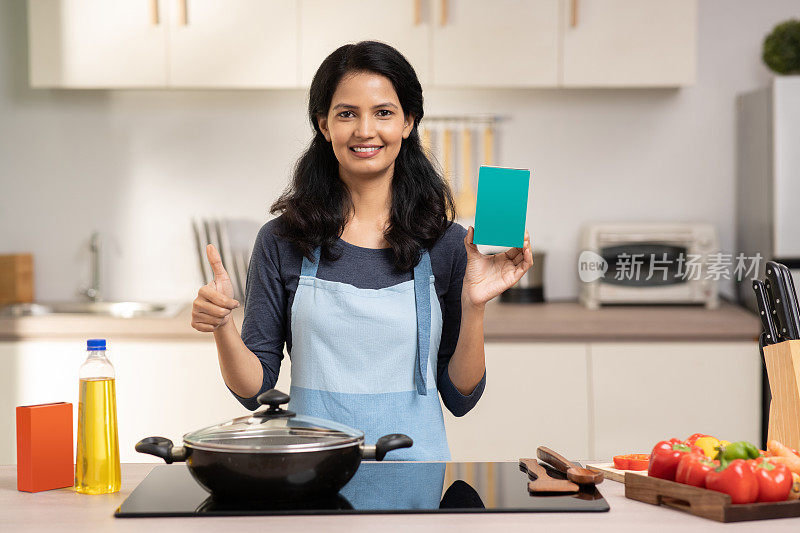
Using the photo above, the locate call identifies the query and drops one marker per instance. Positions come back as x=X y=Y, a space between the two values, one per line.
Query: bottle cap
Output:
x=96 y=344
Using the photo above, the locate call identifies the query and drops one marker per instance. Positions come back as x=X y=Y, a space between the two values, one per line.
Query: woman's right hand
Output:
x=214 y=303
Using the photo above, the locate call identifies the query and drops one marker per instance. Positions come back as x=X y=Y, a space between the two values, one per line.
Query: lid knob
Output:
x=274 y=398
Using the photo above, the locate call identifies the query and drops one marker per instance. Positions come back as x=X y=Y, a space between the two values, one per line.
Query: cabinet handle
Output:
x=183 y=16
x=574 y=14
x=417 y=12
x=154 y=18
x=443 y=20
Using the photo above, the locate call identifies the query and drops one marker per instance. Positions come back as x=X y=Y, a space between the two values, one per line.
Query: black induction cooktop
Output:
x=377 y=487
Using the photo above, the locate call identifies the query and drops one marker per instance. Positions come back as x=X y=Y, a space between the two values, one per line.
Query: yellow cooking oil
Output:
x=97 y=469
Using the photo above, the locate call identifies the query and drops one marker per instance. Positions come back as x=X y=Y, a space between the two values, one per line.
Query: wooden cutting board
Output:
x=614 y=474
x=16 y=279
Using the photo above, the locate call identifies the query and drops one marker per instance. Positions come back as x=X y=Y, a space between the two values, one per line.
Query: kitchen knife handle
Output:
x=792 y=306
x=555 y=459
x=765 y=311
x=778 y=288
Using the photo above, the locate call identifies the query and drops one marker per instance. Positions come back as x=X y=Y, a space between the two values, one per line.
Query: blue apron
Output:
x=360 y=358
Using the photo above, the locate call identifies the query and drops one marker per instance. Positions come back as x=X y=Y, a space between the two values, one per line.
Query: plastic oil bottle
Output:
x=97 y=468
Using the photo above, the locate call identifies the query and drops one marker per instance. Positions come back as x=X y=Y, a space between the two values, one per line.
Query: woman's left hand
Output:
x=486 y=276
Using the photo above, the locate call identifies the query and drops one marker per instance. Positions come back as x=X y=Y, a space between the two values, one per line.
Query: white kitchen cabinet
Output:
x=326 y=25
x=646 y=392
x=163 y=43
x=97 y=43
x=586 y=400
x=629 y=43
x=163 y=388
x=536 y=394
x=504 y=43
x=281 y=43
x=235 y=43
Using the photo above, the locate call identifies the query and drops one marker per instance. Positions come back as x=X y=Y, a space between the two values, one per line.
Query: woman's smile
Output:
x=365 y=151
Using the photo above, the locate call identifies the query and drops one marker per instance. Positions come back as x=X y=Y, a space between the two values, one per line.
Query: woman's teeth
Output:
x=356 y=149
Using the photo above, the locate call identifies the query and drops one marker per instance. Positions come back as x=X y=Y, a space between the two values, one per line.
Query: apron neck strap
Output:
x=308 y=268
x=422 y=295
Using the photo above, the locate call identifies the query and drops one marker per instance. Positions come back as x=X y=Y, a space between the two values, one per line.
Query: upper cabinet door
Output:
x=97 y=43
x=326 y=25
x=629 y=43
x=502 y=43
x=233 y=43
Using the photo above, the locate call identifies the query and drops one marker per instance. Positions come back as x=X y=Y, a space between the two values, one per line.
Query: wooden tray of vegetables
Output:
x=740 y=483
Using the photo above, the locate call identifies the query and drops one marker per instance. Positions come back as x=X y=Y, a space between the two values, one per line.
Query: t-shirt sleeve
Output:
x=264 y=325
x=457 y=403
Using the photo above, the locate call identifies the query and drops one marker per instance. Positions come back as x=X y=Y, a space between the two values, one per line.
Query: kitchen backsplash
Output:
x=137 y=165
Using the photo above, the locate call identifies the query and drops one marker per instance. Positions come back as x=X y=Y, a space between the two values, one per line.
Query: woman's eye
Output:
x=386 y=111
x=343 y=112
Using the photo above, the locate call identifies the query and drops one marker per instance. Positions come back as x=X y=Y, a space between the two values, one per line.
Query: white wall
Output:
x=135 y=165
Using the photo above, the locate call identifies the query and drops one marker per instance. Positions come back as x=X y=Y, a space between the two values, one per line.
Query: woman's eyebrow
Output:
x=349 y=106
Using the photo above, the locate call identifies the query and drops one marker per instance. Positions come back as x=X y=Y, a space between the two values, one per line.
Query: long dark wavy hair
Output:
x=316 y=203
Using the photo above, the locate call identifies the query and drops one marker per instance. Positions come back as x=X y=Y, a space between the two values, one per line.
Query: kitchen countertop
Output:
x=65 y=510
x=549 y=322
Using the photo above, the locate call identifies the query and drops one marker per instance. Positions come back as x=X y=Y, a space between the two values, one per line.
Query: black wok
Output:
x=273 y=454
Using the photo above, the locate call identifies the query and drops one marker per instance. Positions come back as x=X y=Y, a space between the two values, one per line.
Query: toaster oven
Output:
x=648 y=263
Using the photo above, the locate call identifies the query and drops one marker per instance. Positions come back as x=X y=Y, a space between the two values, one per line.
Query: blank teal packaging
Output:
x=502 y=206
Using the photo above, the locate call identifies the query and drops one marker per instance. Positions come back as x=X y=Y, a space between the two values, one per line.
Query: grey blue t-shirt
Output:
x=272 y=281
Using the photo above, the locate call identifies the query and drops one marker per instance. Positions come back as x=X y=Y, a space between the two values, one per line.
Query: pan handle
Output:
x=386 y=444
x=162 y=447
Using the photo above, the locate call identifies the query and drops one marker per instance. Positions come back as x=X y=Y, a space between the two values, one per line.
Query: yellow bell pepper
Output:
x=709 y=445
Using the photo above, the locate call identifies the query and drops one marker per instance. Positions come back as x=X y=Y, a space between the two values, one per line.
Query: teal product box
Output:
x=502 y=206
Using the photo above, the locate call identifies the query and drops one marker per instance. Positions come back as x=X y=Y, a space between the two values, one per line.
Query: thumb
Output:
x=216 y=263
x=468 y=244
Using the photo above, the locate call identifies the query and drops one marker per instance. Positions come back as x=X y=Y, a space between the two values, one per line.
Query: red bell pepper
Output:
x=693 y=468
x=632 y=461
x=691 y=440
x=665 y=457
x=774 y=481
x=736 y=479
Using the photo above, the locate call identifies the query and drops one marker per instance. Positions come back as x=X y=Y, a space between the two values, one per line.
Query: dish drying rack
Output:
x=233 y=238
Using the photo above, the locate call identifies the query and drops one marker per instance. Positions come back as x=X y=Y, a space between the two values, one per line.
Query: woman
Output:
x=363 y=275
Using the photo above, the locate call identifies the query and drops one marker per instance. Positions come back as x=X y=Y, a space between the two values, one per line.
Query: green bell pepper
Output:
x=737 y=450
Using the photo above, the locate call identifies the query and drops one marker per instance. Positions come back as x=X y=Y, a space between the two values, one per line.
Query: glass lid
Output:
x=274 y=430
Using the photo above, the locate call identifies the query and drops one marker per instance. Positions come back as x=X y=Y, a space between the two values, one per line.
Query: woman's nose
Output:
x=365 y=128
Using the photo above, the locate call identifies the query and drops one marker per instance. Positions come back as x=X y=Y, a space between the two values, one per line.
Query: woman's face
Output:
x=366 y=125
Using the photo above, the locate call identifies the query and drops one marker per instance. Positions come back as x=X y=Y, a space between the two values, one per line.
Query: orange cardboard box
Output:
x=44 y=447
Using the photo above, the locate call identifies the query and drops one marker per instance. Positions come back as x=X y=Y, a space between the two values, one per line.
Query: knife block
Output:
x=783 y=369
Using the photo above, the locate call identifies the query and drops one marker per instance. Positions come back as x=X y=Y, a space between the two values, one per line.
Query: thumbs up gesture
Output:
x=214 y=303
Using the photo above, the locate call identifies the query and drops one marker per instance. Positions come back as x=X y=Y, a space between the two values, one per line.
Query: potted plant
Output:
x=781 y=51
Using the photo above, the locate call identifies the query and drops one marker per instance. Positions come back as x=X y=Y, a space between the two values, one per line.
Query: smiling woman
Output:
x=365 y=103
x=377 y=294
